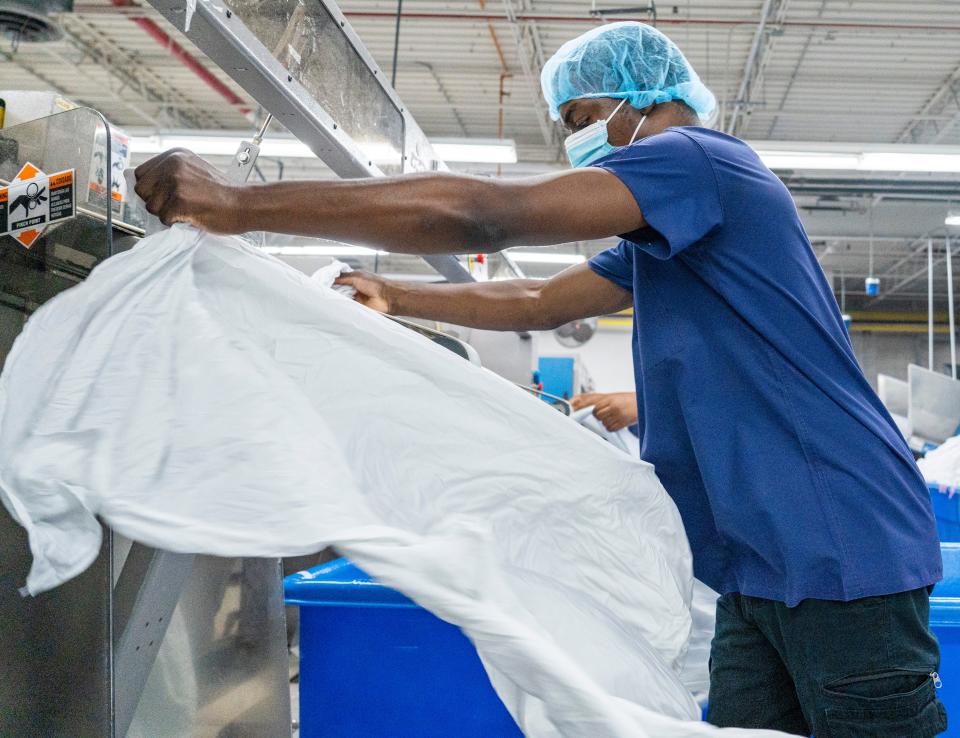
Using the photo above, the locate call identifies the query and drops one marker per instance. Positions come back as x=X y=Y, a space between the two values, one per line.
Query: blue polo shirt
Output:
x=791 y=477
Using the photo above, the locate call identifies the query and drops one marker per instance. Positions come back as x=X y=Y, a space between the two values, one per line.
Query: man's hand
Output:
x=372 y=291
x=180 y=187
x=616 y=410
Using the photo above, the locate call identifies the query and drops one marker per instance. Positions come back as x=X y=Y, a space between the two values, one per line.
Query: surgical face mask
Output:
x=588 y=145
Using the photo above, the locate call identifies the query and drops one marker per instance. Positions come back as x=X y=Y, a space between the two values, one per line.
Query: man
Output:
x=802 y=503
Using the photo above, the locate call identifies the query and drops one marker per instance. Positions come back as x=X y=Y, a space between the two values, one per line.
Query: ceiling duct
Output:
x=31 y=21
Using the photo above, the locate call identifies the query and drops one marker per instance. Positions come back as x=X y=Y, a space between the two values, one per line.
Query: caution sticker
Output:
x=34 y=200
x=99 y=176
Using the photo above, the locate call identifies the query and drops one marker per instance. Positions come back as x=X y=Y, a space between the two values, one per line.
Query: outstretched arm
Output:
x=518 y=304
x=415 y=214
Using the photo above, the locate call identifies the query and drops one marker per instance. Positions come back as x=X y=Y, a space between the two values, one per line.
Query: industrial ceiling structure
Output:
x=872 y=72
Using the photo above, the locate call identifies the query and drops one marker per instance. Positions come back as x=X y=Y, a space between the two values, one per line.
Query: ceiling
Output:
x=875 y=71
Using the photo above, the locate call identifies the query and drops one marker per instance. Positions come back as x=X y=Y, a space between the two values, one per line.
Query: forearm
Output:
x=422 y=214
x=501 y=306
x=445 y=213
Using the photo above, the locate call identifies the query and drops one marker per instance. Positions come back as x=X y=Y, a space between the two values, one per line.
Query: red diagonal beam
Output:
x=184 y=57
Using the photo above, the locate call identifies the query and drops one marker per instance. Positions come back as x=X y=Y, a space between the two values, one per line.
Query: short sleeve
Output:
x=674 y=182
x=615 y=264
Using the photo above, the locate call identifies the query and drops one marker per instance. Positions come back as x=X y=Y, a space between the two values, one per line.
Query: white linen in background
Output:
x=201 y=396
x=942 y=465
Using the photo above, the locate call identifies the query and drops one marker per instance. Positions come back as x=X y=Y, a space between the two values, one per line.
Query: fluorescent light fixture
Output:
x=216 y=145
x=202 y=145
x=476 y=150
x=952 y=219
x=226 y=143
x=892 y=161
x=380 y=153
x=321 y=251
x=536 y=257
x=807 y=160
x=856 y=157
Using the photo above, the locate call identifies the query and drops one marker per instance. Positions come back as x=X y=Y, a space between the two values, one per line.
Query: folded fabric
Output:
x=328 y=274
x=200 y=396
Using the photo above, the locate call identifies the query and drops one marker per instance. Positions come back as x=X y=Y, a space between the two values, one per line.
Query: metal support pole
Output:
x=953 y=336
x=753 y=59
x=930 y=303
x=396 y=45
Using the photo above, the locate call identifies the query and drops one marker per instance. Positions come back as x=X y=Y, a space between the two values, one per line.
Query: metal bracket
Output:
x=245 y=159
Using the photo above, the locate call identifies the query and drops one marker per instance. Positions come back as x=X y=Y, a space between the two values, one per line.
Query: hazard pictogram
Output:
x=33 y=200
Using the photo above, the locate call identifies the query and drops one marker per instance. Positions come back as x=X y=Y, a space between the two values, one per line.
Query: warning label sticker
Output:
x=99 y=176
x=33 y=200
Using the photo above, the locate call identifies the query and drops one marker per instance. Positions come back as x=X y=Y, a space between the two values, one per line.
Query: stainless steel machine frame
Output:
x=224 y=36
x=144 y=643
x=147 y=643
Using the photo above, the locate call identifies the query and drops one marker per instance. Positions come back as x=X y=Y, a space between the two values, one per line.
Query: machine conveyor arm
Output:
x=336 y=60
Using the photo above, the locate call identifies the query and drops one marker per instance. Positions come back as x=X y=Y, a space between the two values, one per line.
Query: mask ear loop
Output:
x=615 y=110
x=637 y=130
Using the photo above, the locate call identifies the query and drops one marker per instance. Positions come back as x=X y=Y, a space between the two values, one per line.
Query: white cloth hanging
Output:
x=200 y=396
x=695 y=673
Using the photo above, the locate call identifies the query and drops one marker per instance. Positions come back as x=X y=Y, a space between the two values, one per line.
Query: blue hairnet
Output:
x=623 y=60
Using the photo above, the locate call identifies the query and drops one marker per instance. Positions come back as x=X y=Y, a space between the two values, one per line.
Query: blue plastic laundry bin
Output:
x=373 y=664
x=946 y=508
x=945 y=622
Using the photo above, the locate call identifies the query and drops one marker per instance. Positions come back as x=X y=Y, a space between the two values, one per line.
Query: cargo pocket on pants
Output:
x=892 y=704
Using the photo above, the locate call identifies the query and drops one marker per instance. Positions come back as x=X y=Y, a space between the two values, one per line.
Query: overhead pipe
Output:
x=661 y=21
x=953 y=334
x=183 y=56
x=930 y=304
x=132 y=11
x=504 y=75
x=396 y=45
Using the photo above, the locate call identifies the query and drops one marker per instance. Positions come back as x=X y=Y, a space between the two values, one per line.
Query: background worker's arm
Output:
x=517 y=304
x=415 y=214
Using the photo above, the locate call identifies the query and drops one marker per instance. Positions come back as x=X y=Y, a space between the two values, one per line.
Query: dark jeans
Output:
x=860 y=669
